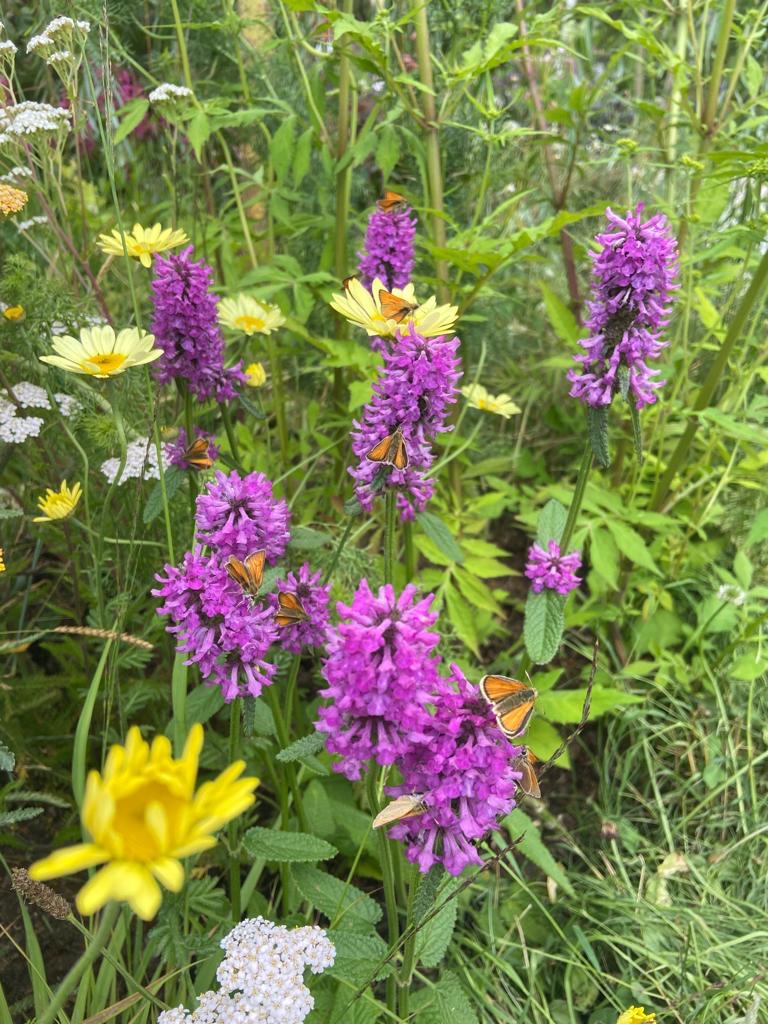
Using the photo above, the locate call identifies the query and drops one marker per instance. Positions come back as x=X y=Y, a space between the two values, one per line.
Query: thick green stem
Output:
x=229 y=429
x=76 y=972
x=410 y=552
x=707 y=389
x=409 y=950
x=290 y=692
x=390 y=515
x=373 y=786
x=235 y=720
x=578 y=497
x=723 y=38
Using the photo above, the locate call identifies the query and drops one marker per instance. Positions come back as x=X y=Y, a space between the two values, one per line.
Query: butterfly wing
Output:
x=391 y=201
x=496 y=688
x=529 y=782
x=512 y=702
x=254 y=568
x=236 y=571
x=514 y=721
x=290 y=609
x=403 y=807
x=197 y=454
x=399 y=453
x=380 y=451
x=394 y=307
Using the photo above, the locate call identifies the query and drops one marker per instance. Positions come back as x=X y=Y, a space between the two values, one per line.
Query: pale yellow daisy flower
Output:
x=364 y=308
x=246 y=314
x=479 y=398
x=256 y=374
x=101 y=353
x=142 y=243
x=58 y=504
x=143 y=816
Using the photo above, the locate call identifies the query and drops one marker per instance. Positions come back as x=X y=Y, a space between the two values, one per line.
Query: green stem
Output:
x=229 y=429
x=278 y=401
x=235 y=719
x=290 y=693
x=282 y=735
x=578 y=497
x=76 y=972
x=409 y=950
x=339 y=549
x=179 y=702
x=410 y=552
x=390 y=514
x=374 y=784
x=707 y=389
x=723 y=38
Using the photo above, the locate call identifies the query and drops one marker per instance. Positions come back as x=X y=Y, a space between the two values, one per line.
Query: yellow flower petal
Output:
x=67 y=860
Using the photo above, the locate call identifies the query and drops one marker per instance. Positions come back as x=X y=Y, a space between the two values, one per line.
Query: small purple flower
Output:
x=462 y=768
x=417 y=384
x=388 y=252
x=176 y=450
x=185 y=326
x=551 y=570
x=239 y=515
x=380 y=671
x=313 y=597
x=635 y=274
x=225 y=634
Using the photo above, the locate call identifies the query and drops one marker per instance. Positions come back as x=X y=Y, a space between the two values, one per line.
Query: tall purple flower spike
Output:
x=185 y=326
x=237 y=515
x=388 y=253
x=634 y=278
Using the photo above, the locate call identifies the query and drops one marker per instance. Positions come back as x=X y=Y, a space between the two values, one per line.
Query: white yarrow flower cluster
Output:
x=141 y=461
x=167 y=92
x=30 y=121
x=15 y=429
x=25 y=225
x=6 y=46
x=15 y=175
x=261 y=976
x=61 y=45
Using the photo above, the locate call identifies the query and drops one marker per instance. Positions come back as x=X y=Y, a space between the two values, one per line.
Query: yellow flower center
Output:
x=144 y=821
x=103 y=364
x=140 y=248
x=249 y=323
x=13 y=313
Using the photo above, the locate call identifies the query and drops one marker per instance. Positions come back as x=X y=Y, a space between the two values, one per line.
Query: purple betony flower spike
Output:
x=388 y=253
x=462 y=766
x=550 y=570
x=237 y=515
x=634 y=277
x=418 y=382
x=313 y=597
x=381 y=670
x=226 y=635
x=185 y=325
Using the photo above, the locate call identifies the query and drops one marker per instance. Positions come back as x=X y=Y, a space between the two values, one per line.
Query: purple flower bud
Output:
x=381 y=671
x=388 y=253
x=417 y=384
x=237 y=516
x=313 y=598
x=634 y=275
x=552 y=571
x=186 y=328
x=226 y=635
x=462 y=767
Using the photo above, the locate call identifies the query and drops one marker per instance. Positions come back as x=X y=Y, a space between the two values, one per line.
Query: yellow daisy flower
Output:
x=479 y=398
x=2 y=560
x=256 y=375
x=12 y=200
x=143 y=815
x=13 y=313
x=246 y=314
x=636 y=1015
x=101 y=353
x=142 y=243
x=58 y=504
x=363 y=307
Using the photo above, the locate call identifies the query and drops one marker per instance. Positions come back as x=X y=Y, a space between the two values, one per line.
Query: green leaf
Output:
x=434 y=527
x=286 y=847
x=199 y=131
x=433 y=939
x=11 y=513
x=534 y=849
x=301 y=160
x=563 y=321
x=543 y=625
x=281 y=149
x=566 y=707
x=462 y=619
x=304 y=538
x=738 y=429
x=476 y=592
x=749 y=666
x=544 y=739
x=357 y=956
x=551 y=523
x=427 y=891
x=303 y=747
x=597 y=428
x=388 y=150
x=604 y=555
x=758 y=531
x=632 y=545
x=154 y=506
x=22 y=814
x=335 y=898
x=7 y=758
x=258 y=718
x=132 y=114
x=445 y=1003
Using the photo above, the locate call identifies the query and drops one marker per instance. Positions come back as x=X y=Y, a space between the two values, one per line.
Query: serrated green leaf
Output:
x=304 y=538
x=597 y=428
x=286 y=847
x=445 y=1003
x=637 y=431
x=334 y=898
x=462 y=619
x=22 y=814
x=198 y=131
x=427 y=891
x=132 y=114
x=434 y=937
x=303 y=747
x=154 y=506
x=604 y=555
x=563 y=321
x=551 y=522
x=631 y=544
x=437 y=531
x=543 y=626
x=532 y=847
x=565 y=707
x=357 y=956
x=7 y=758
x=477 y=593
x=11 y=513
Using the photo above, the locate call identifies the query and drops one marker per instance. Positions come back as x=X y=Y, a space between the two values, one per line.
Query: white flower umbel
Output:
x=31 y=222
x=141 y=461
x=31 y=122
x=169 y=92
x=261 y=976
x=16 y=428
x=16 y=175
x=61 y=45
